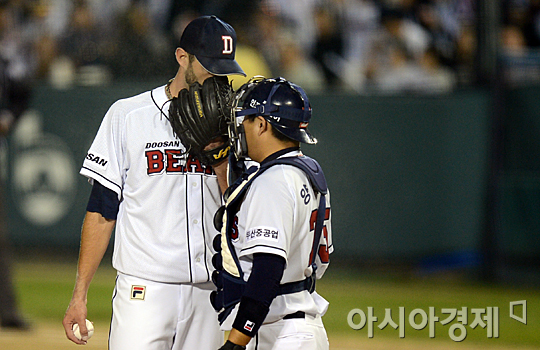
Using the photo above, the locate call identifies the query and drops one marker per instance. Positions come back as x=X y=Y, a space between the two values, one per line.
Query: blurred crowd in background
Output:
x=359 y=46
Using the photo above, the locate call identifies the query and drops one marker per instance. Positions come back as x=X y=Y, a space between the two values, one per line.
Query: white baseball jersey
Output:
x=164 y=228
x=278 y=217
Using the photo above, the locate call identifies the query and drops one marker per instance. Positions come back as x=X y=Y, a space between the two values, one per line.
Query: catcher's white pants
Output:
x=292 y=334
x=150 y=315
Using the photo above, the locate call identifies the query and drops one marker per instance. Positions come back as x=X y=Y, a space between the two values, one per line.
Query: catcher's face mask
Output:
x=237 y=135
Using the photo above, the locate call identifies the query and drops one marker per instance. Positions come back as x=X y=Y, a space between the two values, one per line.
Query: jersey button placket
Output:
x=195 y=223
x=195 y=228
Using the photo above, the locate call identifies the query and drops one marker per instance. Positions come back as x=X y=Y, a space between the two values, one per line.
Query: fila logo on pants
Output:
x=138 y=292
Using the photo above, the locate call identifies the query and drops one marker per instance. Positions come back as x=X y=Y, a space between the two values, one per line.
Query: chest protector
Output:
x=229 y=277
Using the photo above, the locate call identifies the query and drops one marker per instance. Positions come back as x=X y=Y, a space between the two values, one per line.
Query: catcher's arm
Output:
x=238 y=338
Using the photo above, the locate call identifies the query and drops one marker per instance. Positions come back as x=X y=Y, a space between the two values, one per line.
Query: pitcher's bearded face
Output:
x=190 y=75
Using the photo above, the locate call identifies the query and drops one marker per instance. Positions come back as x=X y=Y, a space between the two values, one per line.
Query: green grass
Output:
x=44 y=290
x=349 y=290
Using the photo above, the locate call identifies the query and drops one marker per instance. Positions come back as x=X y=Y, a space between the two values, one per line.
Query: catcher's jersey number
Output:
x=324 y=255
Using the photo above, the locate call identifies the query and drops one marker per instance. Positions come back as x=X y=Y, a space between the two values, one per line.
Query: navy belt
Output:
x=294 y=287
x=297 y=314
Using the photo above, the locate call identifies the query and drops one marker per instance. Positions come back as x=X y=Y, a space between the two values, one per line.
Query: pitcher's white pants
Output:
x=170 y=317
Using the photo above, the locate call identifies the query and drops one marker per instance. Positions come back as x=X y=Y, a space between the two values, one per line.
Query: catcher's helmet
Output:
x=283 y=104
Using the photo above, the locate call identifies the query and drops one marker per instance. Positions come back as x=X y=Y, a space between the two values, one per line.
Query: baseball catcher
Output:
x=199 y=115
x=276 y=232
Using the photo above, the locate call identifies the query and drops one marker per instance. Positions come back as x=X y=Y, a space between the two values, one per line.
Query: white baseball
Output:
x=89 y=326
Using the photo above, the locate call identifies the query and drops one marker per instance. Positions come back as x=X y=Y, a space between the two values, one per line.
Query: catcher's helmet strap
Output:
x=291 y=114
x=259 y=110
x=269 y=108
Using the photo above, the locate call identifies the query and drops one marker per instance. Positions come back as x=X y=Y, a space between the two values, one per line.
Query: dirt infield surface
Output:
x=50 y=336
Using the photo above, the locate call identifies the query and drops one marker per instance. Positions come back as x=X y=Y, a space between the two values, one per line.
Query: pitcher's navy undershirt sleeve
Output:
x=104 y=201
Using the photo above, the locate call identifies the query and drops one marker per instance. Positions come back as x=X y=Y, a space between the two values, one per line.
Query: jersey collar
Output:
x=282 y=152
x=159 y=97
x=158 y=94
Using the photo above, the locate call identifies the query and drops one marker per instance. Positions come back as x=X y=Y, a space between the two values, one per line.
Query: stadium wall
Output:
x=407 y=174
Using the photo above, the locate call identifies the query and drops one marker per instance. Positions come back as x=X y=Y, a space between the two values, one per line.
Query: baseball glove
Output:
x=199 y=116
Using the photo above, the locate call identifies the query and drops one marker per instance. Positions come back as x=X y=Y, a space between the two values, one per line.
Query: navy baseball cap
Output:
x=213 y=43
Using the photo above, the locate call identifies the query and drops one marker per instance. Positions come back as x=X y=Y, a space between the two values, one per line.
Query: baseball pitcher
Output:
x=159 y=195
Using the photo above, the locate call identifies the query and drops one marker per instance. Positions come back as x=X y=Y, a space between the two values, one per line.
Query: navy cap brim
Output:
x=220 y=66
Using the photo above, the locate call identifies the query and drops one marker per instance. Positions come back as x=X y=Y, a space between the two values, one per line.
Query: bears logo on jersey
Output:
x=174 y=161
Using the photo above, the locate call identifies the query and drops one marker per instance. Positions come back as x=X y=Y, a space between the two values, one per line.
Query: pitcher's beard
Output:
x=190 y=75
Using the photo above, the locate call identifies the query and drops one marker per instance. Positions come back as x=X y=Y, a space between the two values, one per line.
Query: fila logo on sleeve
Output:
x=138 y=292
x=249 y=325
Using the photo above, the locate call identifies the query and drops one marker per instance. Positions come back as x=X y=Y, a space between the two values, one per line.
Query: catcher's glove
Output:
x=199 y=116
